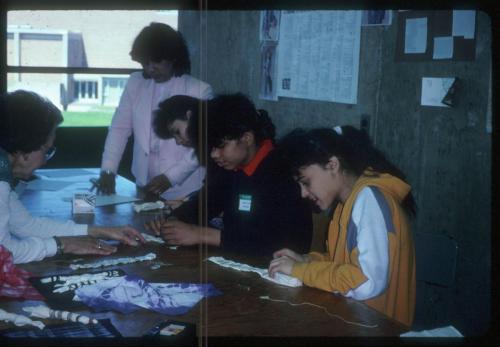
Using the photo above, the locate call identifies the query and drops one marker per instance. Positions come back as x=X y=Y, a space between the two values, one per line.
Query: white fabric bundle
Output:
x=78 y=278
x=41 y=311
x=279 y=278
x=19 y=320
x=109 y=262
x=148 y=206
x=151 y=238
x=76 y=281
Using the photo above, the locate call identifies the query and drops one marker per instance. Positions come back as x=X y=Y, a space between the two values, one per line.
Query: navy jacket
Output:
x=262 y=213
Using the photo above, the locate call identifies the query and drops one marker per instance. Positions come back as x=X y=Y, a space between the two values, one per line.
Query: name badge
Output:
x=245 y=203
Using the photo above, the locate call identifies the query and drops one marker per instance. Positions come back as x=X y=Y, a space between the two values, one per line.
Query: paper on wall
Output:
x=443 y=48
x=416 y=35
x=434 y=90
x=464 y=23
x=318 y=55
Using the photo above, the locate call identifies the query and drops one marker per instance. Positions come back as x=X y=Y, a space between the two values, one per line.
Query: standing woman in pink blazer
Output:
x=160 y=167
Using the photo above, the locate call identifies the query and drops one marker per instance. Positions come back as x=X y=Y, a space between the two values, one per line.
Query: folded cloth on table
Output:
x=129 y=293
x=19 y=319
x=13 y=280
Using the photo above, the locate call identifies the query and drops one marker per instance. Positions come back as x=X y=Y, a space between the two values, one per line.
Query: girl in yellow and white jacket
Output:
x=370 y=251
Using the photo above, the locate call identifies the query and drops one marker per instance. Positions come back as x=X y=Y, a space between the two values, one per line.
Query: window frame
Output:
x=34 y=5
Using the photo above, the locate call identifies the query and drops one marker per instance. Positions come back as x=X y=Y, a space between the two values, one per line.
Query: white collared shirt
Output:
x=30 y=238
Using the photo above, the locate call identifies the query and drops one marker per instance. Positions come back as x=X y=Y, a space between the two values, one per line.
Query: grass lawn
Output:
x=95 y=117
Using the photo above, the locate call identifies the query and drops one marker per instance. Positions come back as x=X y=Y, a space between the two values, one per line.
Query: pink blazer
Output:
x=133 y=115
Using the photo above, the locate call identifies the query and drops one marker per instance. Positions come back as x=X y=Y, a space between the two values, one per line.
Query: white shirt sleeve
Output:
x=119 y=131
x=372 y=242
x=30 y=238
x=207 y=93
x=178 y=173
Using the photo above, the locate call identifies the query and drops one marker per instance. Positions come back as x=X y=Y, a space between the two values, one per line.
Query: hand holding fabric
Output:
x=125 y=234
x=284 y=260
x=155 y=225
x=106 y=183
x=285 y=252
x=176 y=232
x=85 y=245
x=158 y=185
x=173 y=204
x=283 y=265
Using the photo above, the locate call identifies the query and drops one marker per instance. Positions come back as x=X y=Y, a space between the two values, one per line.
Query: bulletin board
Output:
x=439 y=24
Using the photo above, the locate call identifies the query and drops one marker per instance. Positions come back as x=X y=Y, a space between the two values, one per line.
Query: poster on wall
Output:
x=436 y=35
x=269 y=25
x=434 y=90
x=268 y=71
x=318 y=56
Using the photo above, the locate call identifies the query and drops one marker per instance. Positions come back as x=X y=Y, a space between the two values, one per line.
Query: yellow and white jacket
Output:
x=370 y=250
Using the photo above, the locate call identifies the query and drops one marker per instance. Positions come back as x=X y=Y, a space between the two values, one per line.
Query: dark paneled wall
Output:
x=446 y=153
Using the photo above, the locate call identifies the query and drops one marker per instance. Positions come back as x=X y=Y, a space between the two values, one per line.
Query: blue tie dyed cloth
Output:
x=128 y=293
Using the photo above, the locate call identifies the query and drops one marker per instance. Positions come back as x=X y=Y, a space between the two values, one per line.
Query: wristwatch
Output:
x=59 y=246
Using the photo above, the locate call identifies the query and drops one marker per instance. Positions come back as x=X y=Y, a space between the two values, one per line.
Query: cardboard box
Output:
x=83 y=203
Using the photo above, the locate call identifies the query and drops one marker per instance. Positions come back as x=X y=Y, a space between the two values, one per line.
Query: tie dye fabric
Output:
x=129 y=293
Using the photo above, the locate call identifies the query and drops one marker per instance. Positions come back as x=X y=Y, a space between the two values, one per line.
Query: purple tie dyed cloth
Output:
x=128 y=293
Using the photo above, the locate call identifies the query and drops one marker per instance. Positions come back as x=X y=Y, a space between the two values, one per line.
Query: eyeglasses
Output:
x=50 y=153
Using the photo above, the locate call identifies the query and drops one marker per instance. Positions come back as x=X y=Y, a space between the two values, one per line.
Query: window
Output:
x=85 y=90
x=79 y=59
x=112 y=89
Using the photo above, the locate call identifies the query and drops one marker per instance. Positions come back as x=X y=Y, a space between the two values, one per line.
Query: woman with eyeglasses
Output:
x=160 y=166
x=28 y=125
x=370 y=251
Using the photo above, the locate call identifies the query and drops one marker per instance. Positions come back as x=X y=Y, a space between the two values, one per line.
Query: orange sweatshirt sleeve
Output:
x=328 y=276
x=316 y=256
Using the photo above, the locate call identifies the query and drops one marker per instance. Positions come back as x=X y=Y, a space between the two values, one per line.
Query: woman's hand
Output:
x=157 y=185
x=84 y=245
x=125 y=234
x=283 y=265
x=285 y=252
x=105 y=184
x=155 y=225
x=176 y=232
x=284 y=260
x=173 y=204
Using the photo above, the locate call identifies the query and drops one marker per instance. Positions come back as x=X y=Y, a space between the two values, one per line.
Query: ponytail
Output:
x=231 y=115
x=351 y=146
x=265 y=128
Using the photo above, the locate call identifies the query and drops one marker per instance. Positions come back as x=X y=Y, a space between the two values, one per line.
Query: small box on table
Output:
x=83 y=203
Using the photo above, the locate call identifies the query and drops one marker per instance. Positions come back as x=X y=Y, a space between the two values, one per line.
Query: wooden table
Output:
x=238 y=312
